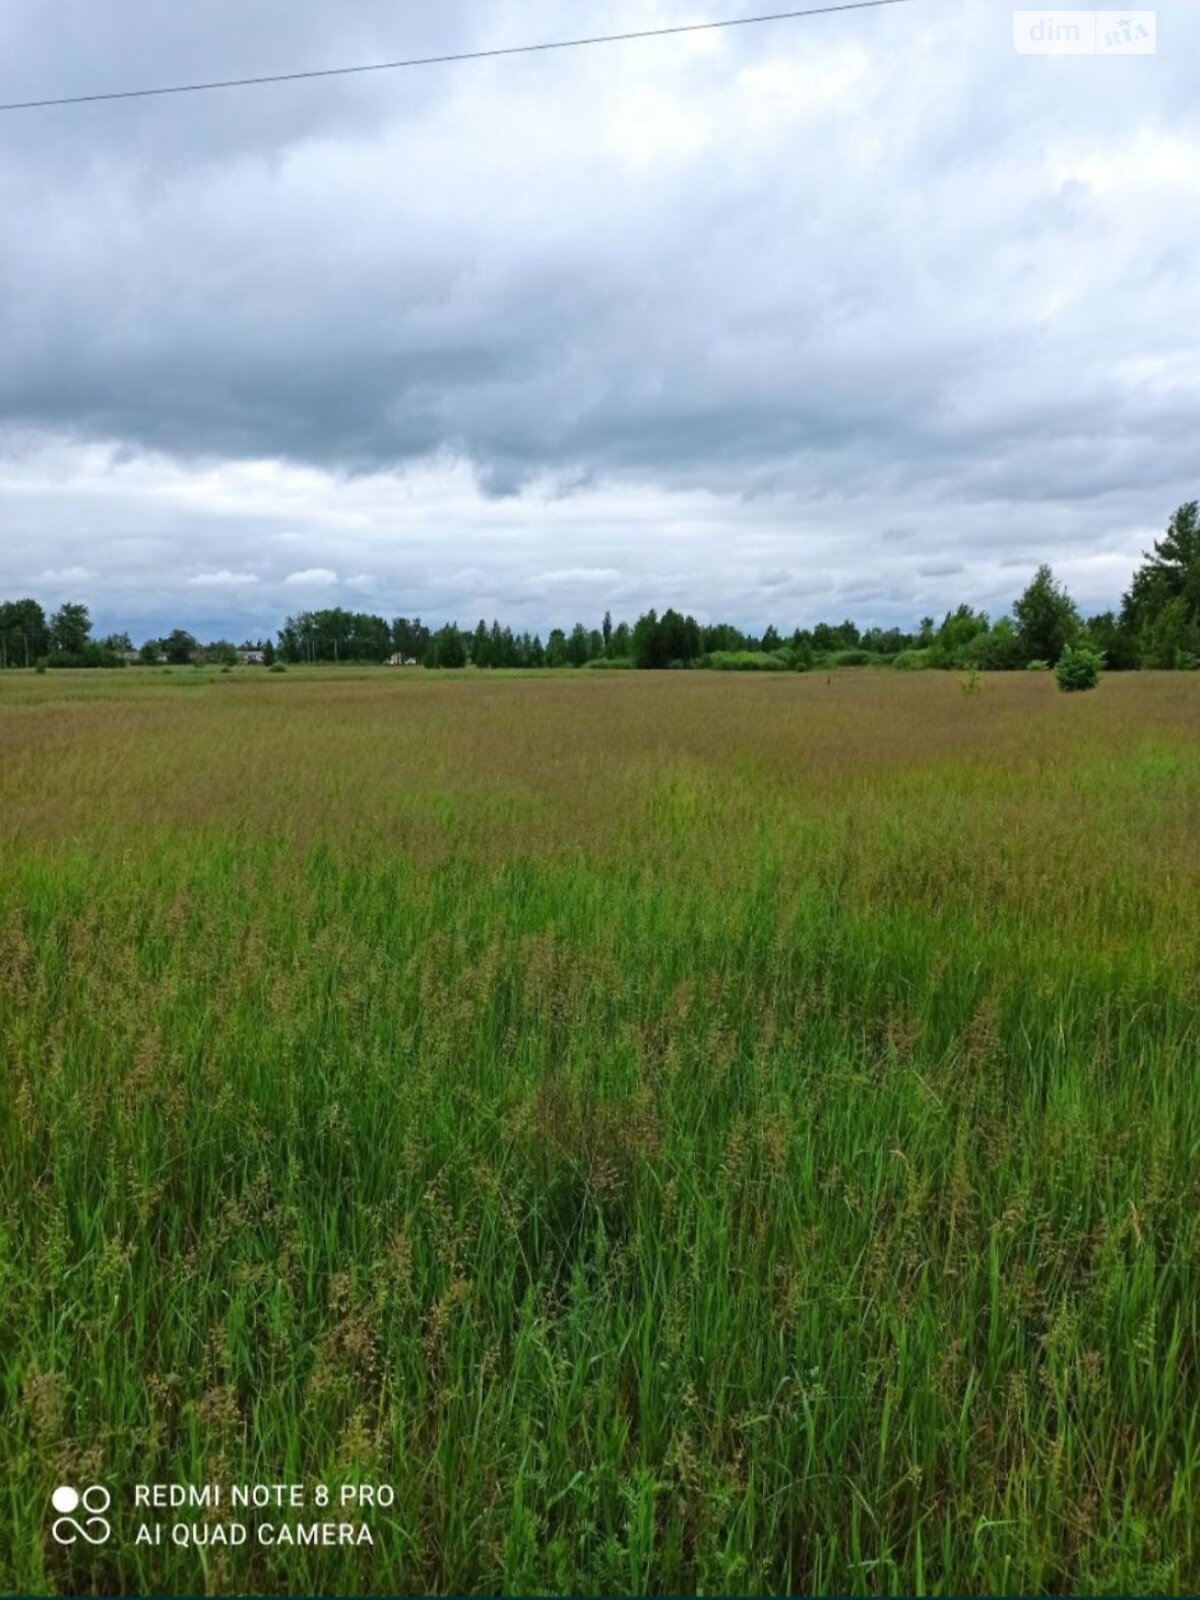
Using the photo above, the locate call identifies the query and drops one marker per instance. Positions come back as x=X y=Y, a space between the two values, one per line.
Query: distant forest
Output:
x=1157 y=626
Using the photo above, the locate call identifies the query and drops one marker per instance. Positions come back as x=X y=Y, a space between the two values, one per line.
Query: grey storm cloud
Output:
x=572 y=330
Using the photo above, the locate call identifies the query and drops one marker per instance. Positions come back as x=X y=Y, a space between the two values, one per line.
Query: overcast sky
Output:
x=859 y=315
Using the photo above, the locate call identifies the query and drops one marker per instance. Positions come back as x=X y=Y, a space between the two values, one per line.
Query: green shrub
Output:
x=851 y=658
x=912 y=661
x=92 y=655
x=745 y=661
x=996 y=650
x=1078 y=668
x=278 y=667
x=1038 y=666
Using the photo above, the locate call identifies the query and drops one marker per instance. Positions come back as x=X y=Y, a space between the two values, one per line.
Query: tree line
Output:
x=30 y=638
x=1156 y=626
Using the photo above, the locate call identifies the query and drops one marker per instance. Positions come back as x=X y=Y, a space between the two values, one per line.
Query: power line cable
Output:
x=447 y=60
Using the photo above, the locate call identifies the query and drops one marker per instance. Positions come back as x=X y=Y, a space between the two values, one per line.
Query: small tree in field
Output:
x=1078 y=668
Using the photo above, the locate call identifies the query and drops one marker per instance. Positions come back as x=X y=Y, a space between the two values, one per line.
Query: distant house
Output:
x=251 y=657
x=402 y=661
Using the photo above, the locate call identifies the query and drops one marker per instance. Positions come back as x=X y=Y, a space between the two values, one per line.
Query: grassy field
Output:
x=679 y=1132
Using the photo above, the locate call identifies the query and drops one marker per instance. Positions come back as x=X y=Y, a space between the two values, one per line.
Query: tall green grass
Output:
x=738 y=1153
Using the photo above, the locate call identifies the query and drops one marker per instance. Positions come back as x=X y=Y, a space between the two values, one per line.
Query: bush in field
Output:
x=912 y=661
x=1038 y=666
x=851 y=658
x=91 y=655
x=997 y=650
x=745 y=661
x=1078 y=668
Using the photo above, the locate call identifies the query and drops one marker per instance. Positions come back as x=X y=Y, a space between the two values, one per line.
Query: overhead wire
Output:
x=497 y=53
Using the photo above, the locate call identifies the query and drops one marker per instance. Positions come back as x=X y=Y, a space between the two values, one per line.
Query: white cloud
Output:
x=311 y=577
x=573 y=578
x=64 y=575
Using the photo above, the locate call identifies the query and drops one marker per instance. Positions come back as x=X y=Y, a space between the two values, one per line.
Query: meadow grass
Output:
x=682 y=1132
